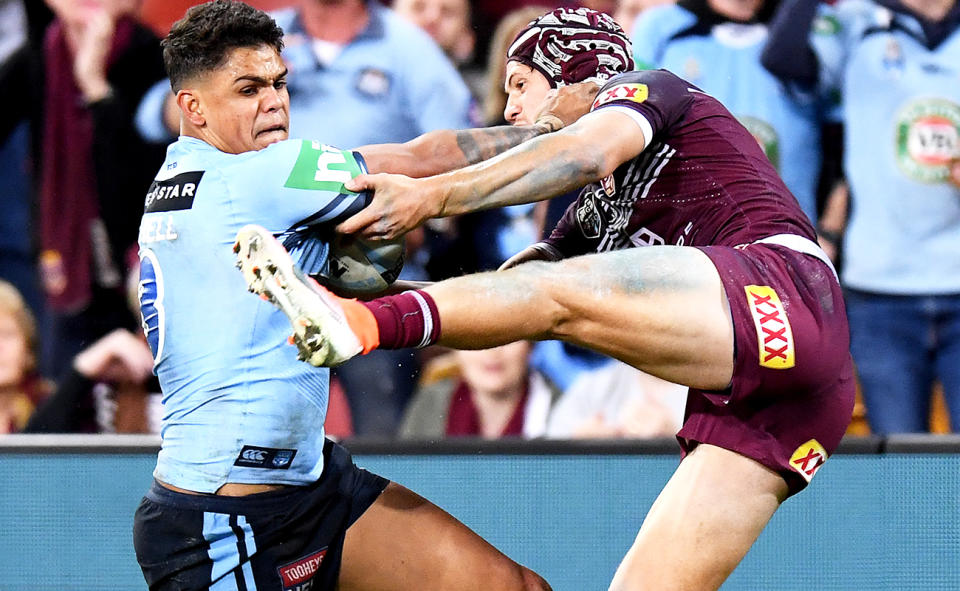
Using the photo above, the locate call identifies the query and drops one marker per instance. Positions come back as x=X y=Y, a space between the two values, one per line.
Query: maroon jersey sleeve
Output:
x=661 y=97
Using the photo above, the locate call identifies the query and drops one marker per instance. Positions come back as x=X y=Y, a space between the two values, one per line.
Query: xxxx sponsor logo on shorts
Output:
x=774 y=336
x=298 y=575
x=629 y=92
x=808 y=458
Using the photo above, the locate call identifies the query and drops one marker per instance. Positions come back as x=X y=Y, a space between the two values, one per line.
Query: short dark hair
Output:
x=202 y=40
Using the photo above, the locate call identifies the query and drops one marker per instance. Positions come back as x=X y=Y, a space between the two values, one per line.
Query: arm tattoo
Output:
x=478 y=145
x=565 y=171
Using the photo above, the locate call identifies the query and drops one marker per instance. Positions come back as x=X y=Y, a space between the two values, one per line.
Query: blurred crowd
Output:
x=857 y=104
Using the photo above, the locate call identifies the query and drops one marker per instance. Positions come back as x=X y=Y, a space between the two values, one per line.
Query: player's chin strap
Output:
x=800 y=244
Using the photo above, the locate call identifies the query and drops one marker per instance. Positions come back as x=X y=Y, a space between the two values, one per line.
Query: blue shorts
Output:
x=290 y=539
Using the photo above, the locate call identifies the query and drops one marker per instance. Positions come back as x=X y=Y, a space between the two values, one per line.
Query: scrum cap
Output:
x=573 y=45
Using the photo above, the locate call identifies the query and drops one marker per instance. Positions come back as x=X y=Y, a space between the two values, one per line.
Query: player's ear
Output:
x=191 y=107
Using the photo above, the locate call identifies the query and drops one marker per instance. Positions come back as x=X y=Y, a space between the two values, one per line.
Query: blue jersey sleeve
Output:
x=295 y=182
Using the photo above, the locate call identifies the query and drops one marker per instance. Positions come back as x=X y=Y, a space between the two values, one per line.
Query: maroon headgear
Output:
x=572 y=45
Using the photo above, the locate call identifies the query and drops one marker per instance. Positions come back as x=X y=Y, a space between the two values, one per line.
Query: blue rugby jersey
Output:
x=237 y=405
x=723 y=58
x=901 y=96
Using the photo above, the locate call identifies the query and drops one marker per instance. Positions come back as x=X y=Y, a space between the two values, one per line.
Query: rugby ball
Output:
x=362 y=266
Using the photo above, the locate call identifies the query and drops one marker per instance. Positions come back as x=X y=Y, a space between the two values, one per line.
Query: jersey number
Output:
x=150 y=294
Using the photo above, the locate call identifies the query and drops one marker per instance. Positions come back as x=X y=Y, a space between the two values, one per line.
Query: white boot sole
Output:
x=320 y=330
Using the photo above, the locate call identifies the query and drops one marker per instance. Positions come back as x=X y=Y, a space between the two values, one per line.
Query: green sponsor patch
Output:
x=927 y=133
x=826 y=25
x=322 y=168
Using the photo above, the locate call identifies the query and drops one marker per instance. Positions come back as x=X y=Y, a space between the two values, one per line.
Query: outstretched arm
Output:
x=444 y=150
x=788 y=54
x=539 y=169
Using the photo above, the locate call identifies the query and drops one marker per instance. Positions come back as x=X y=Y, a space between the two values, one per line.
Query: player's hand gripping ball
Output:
x=363 y=266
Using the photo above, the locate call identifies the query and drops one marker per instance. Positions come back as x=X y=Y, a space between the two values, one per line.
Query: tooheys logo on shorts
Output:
x=298 y=575
x=773 y=329
x=629 y=92
x=928 y=138
x=808 y=458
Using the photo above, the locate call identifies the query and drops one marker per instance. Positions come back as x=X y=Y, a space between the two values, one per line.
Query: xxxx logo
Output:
x=808 y=458
x=630 y=92
x=773 y=329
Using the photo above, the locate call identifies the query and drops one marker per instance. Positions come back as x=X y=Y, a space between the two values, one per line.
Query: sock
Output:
x=408 y=319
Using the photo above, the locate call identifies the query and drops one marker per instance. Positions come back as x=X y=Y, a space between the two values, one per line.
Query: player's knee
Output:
x=552 y=287
x=532 y=581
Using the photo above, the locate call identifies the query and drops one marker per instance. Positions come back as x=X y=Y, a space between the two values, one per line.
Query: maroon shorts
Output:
x=792 y=392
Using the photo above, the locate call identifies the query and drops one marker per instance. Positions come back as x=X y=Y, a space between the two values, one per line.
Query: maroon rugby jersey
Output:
x=703 y=180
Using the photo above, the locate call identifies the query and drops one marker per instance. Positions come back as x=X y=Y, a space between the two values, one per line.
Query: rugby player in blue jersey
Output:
x=248 y=493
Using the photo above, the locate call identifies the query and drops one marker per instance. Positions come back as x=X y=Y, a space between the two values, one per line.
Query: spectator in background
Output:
x=494 y=394
x=894 y=63
x=98 y=61
x=21 y=386
x=446 y=21
x=17 y=257
x=110 y=386
x=627 y=11
x=109 y=389
x=618 y=401
x=361 y=75
x=716 y=45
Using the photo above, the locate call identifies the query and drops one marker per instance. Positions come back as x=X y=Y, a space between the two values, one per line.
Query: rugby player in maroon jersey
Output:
x=702 y=270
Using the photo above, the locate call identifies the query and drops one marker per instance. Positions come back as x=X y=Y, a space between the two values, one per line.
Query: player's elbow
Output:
x=599 y=159
x=587 y=163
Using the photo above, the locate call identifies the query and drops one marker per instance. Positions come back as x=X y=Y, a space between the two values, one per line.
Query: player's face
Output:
x=741 y=10
x=496 y=372
x=14 y=354
x=444 y=20
x=526 y=88
x=244 y=104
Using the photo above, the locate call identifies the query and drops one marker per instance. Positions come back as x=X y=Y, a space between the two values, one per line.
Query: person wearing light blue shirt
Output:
x=193 y=210
x=897 y=66
x=389 y=83
x=716 y=45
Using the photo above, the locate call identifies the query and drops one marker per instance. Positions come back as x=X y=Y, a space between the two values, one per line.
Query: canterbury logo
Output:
x=773 y=329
